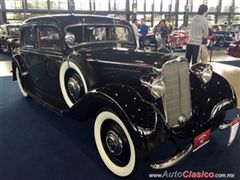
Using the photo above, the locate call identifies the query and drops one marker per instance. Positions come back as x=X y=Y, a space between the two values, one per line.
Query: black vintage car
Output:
x=9 y=37
x=88 y=67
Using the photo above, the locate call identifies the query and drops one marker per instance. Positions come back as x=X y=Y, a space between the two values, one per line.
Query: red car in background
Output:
x=178 y=39
x=234 y=49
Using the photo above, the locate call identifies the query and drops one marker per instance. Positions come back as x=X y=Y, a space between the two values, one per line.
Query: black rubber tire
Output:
x=137 y=158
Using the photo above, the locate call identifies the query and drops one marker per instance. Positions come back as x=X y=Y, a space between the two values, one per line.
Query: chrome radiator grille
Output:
x=177 y=98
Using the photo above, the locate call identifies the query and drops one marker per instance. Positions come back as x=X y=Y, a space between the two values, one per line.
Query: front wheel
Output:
x=115 y=145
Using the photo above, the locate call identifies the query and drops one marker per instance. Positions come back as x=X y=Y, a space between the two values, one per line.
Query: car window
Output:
x=3 y=31
x=13 y=31
x=48 y=37
x=101 y=34
x=27 y=37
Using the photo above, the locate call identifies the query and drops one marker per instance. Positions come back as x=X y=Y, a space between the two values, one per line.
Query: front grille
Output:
x=177 y=98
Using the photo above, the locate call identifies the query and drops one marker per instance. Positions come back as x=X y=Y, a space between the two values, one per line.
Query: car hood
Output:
x=135 y=57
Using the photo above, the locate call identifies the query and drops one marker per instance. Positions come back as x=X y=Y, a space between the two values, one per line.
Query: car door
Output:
x=43 y=59
x=49 y=52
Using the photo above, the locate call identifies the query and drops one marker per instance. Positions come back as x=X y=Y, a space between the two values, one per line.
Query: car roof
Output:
x=69 y=19
x=9 y=25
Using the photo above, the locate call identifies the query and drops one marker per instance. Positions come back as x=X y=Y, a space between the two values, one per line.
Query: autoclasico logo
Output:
x=192 y=174
x=203 y=174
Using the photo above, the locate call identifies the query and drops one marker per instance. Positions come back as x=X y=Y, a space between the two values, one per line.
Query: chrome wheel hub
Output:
x=114 y=143
x=74 y=88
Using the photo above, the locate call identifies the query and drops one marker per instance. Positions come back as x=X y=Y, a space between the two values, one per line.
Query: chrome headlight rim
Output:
x=206 y=75
x=203 y=71
x=155 y=84
x=158 y=87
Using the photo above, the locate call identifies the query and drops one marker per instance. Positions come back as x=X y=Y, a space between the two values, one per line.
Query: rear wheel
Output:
x=115 y=145
x=20 y=83
x=72 y=82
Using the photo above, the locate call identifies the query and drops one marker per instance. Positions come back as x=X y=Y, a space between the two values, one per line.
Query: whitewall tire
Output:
x=67 y=65
x=120 y=170
x=24 y=93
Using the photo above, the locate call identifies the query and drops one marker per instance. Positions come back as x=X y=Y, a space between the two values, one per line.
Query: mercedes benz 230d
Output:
x=88 y=67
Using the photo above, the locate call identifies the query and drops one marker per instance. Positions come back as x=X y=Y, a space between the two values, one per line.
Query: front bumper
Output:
x=180 y=155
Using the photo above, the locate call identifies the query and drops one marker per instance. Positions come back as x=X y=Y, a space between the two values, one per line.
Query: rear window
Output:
x=27 y=36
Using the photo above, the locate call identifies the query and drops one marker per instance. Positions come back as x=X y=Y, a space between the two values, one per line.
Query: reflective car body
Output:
x=178 y=39
x=236 y=29
x=88 y=67
x=9 y=37
x=234 y=49
x=223 y=35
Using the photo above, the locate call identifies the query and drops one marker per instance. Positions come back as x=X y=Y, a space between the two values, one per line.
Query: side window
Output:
x=48 y=37
x=27 y=37
x=3 y=31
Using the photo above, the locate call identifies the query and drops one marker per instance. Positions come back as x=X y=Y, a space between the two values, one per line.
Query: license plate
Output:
x=233 y=130
x=201 y=140
x=184 y=47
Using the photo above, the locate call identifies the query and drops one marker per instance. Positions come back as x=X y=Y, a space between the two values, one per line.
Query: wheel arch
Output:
x=86 y=69
x=83 y=68
x=88 y=107
x=17 y=62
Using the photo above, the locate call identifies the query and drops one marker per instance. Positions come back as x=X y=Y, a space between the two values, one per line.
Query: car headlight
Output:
x=203 y=72
x=158 y=37
x=157 y=88
x=155 y=84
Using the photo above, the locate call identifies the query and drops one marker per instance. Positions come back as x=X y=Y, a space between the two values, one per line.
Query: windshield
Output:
x=13 y=31
x=95 y=33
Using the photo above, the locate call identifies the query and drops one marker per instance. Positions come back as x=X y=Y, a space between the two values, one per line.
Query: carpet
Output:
x=38 y=144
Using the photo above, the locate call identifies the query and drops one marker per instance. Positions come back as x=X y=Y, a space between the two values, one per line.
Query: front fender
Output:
x=138 y=115
x=213 y=99
x=18 y=62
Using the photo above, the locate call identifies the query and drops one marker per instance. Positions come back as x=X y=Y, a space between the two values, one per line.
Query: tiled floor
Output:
x=5 y=68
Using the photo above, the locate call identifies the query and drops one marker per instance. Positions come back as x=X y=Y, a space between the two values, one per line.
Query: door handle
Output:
x=58 y=61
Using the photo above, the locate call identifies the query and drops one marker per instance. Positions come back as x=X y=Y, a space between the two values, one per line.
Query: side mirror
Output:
x=70 y=40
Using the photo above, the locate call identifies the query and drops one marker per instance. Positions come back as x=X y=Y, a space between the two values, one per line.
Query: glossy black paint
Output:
x=112 y=76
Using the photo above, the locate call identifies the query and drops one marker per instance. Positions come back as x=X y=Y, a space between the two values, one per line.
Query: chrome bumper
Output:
x=225 y=125
x=188 y=149
x=173 y=160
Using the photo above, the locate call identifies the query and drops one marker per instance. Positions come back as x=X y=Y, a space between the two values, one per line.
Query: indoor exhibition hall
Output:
x=113 y=89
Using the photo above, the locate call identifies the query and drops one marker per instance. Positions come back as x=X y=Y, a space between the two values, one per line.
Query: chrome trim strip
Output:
x=119 y=63
x=58 y=55
x=173 y=160
x=227 y=124
x=219 y=106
